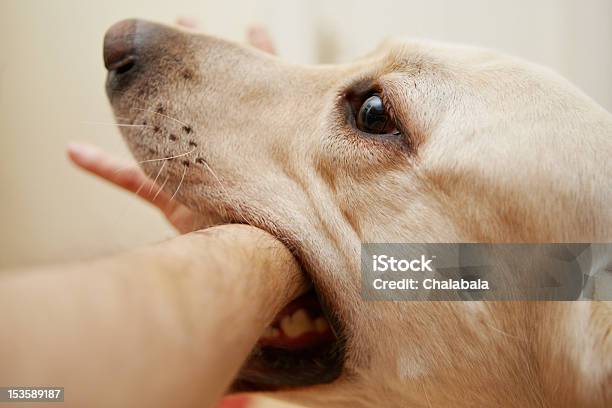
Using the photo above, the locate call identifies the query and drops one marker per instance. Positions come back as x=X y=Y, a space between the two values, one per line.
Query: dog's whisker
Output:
x=210 y=170
x=157 y=176
x=180 y=183
x=118 y=124
x=167 y=158
x=161 y=187
x=161 y=114
x=137 y=192
x=128 y=166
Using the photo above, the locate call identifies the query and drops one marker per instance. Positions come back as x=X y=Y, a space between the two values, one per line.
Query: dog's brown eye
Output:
x=373 y=117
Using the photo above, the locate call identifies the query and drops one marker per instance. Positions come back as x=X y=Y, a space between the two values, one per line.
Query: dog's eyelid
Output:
x=352 y=96
x=361 y=87
x=401 y=129
x=389 y=95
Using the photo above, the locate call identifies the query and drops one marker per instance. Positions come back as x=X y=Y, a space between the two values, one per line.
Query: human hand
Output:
x=130 y=177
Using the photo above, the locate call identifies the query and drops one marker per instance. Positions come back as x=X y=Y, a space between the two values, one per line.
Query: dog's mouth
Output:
x=299 y=348
x=303 y=346
x=305 y=343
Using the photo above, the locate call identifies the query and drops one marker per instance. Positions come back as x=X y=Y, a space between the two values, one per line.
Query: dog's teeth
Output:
x=321 y=325
x=301 y=319
x=287 y=327
x=271 y=332
x=297 y=324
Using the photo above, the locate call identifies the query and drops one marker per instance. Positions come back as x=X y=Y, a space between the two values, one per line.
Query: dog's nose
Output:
x=120 y=53
x=136 y=50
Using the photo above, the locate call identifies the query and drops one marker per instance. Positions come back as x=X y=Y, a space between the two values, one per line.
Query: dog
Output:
x=416 y=142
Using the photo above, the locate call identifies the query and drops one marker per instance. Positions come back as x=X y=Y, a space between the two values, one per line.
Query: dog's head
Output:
x=417 y=142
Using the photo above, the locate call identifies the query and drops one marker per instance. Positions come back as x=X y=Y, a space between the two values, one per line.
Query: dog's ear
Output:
x=575 y=358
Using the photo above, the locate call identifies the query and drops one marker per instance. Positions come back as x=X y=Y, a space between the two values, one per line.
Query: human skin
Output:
x=165 y=325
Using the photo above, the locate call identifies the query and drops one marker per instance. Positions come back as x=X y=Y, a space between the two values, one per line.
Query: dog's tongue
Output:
x=300 y=324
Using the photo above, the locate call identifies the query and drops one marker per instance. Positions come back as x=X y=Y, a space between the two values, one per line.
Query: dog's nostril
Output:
x=119 y=48
x=124 y=66
x=173 y=137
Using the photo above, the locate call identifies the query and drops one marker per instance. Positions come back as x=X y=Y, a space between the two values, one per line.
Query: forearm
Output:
x=165 y=325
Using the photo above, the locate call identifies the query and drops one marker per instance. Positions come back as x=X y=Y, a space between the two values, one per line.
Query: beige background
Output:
x=52 y=81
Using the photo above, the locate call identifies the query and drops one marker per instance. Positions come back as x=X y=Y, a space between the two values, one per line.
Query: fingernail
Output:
x=83 y=151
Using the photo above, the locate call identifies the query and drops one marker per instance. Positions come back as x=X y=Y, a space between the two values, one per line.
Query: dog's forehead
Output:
x=409 y=49
x=468 y=66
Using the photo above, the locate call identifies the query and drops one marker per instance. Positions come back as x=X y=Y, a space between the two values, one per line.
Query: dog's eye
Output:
x=374 y=118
